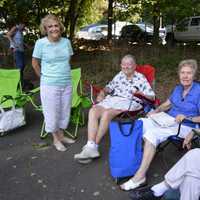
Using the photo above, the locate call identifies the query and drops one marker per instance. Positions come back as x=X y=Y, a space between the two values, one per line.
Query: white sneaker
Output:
x=87 y=153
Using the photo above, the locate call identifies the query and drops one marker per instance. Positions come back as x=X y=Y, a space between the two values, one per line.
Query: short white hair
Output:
x=189 y=62
x=129 y=57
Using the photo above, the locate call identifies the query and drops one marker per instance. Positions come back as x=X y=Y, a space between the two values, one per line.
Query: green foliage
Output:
x=2 y=2
x=174 y=11
x=92 y=11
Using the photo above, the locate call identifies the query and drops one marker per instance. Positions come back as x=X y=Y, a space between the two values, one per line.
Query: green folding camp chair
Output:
x=11 y=93
x=79 y=102
x=10 y=86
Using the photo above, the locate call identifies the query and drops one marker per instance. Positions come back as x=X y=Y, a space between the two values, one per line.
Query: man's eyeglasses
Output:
x=128 y=66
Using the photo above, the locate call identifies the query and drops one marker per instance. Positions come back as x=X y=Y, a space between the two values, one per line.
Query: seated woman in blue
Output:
x=182 y=103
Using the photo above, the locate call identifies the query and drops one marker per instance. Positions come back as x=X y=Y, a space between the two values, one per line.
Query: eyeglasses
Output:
x=128 y=66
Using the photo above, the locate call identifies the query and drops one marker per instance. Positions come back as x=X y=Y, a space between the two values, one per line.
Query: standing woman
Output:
x=16 y=38
x=51 y=62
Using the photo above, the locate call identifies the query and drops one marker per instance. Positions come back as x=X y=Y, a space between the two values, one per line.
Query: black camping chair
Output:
x=177 y=141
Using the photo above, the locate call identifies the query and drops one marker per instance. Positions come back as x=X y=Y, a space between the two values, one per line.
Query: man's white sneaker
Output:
x=87 y=153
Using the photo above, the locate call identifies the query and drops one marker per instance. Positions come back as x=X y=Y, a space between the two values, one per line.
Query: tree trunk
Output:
x=156 y=23
x=72 y=8
x=110 y=20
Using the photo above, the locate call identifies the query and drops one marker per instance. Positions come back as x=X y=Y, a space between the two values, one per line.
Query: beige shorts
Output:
x=119 y=103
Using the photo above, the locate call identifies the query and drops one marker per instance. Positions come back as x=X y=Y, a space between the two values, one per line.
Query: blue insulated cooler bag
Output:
x=126 y=147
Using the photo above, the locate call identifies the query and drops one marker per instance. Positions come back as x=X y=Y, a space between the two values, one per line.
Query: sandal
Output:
x=67 y=140
x=130 y=184
x=59 y=146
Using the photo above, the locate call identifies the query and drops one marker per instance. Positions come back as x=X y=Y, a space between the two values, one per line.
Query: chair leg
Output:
x=82 y=117
x=43 y=133
x=79 y=121
x=75 y=134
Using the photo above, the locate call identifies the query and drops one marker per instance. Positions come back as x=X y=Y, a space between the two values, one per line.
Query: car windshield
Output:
x=86 y=28
x=146 y=27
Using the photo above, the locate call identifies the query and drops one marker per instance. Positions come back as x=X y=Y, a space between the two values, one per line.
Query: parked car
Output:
x=93 y=32
x=100 y=31
x=141 y=32
x=137 y=32
x=187 y=30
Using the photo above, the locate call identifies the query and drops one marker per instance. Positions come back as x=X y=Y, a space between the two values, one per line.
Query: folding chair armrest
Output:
x=28 y=97
x=196 y=132
x=176 y=138
x=94 y=90
x=148 y=102
x=145 y=99
x=185 y=120
x=179 y=128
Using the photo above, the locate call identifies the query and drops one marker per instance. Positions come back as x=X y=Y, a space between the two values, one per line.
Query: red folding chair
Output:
x=149 y=72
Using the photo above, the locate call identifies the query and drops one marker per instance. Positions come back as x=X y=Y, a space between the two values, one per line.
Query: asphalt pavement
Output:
x=31 y=168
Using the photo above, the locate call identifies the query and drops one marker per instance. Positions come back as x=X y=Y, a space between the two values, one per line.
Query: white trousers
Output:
x=185 y=175
x=155 y=134
x=56 y=106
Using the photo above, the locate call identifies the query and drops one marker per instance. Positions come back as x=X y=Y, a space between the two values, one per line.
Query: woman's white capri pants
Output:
x=56 y=106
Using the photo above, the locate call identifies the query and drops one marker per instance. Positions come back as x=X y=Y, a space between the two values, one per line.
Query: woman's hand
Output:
x=100 y=96
x=180 y=118
x=187 y=141
x=137 y=92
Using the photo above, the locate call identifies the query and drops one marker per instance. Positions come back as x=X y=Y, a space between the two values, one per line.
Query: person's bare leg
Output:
x=93 y=121
x=148 y=155
x=90 y=150
x=140 y=177
x=96 y=131
x=60 y=134
x=55 y=137
x=107 y=116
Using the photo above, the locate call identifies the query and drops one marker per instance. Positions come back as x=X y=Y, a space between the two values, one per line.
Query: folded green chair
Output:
x=79 y=102
x=11 y=94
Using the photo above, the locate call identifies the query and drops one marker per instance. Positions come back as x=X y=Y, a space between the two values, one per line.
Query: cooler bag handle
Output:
x=120 y=125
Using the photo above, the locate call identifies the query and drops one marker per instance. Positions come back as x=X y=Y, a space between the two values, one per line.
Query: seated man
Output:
x=182 y=103
x=116 y=97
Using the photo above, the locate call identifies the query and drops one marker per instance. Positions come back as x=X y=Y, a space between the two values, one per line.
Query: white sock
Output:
x=159 y=189
x=91 y=144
